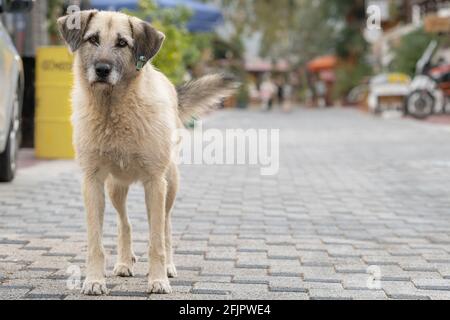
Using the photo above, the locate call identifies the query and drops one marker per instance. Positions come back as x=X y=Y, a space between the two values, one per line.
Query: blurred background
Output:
x=388 y=57
x=361 y=184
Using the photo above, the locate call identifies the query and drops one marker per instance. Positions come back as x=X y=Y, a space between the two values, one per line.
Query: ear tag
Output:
x=141 y=63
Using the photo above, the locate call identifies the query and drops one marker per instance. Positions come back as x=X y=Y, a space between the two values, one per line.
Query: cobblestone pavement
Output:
x=358 y=199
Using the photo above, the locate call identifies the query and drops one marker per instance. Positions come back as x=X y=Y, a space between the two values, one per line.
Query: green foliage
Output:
x=409 y=51
x=54 y=11
x=228 y=49
x=243 y=95
x=351 y=43
x=199 y=43
x=304 y=27
x=301 y=30
x=350 y=75
x=181 y=48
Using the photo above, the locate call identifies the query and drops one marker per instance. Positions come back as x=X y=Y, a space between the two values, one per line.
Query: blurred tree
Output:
x=300 y=30
x=54 y=11
x=410 y=50
x=181 y=48
x=349 y=75
x=269 y=18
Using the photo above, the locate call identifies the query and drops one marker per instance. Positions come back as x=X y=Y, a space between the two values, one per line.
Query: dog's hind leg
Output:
x=94 y=199
x=172 y=188
x=125 y=256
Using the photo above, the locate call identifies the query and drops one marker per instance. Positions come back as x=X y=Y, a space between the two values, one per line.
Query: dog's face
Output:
x=110 y=45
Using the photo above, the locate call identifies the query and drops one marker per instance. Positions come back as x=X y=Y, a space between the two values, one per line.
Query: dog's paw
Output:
x=172 y=271
x=94 y=288
x=122 y=270
x=159 y=287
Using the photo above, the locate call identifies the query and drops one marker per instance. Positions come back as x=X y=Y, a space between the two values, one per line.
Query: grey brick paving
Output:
x=353 y=191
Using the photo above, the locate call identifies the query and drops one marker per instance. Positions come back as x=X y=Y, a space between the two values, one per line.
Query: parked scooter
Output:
x=430 y=89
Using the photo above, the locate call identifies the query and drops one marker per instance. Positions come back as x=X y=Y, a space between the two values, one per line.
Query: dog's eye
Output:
x=122 y=43
x=94 y=40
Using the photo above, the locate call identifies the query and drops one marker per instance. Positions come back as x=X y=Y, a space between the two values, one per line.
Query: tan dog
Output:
x=125 y=115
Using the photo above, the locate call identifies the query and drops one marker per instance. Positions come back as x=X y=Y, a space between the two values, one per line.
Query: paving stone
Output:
x=367 y=294
x=408 y=297
x=131 y=294
x=12 y=241
x=209 y=292
x=330 y=294
x=350 y=193
x=432 y=284
x=251 y=280
x=196 y=295
x=13 y=294
x=262 y=295
x=34 y=296
x=287 y=289
x=436 y=294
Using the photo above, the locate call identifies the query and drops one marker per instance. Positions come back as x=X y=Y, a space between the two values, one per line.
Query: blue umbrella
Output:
x=205 y=16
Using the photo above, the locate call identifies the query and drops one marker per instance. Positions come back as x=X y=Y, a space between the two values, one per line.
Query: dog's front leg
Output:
x=155 y=198
x=94 y=199
x=125 y=256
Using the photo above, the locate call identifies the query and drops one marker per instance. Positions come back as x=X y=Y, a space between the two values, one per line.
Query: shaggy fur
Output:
x=124 y=129
x=195 y=97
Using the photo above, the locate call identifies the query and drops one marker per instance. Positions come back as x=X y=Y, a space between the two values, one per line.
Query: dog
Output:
x=125 y=115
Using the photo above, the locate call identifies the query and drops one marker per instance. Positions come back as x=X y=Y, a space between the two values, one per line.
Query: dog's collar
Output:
x=141 y=63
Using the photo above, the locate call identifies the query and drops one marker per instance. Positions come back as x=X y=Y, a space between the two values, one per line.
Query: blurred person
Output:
x=253 y=91
x=267 y=93
x=287 y=105
x=321 y=91
x=280 y=92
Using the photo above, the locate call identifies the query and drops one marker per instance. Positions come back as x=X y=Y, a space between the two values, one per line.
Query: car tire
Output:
x=8 y=158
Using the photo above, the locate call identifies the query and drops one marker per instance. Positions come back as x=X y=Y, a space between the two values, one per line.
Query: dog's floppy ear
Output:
x=147 y=41
x=73 y=27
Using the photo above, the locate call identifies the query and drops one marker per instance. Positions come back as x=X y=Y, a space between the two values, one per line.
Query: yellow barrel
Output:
x=54 y=79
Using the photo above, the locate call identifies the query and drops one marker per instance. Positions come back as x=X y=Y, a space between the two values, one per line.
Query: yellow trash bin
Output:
x=54 y=79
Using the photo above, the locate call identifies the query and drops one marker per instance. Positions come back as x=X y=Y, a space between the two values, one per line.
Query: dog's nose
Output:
x=103 y=70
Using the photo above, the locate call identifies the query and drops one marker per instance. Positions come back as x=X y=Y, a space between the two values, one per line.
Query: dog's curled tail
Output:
x=203 y=94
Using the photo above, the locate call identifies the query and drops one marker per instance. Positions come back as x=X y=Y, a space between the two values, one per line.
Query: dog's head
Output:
x=111 y=47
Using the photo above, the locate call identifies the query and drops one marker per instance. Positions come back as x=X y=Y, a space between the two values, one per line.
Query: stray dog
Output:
x=125 y=116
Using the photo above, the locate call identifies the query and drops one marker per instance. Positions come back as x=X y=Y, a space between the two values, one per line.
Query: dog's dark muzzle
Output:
x=103 y=70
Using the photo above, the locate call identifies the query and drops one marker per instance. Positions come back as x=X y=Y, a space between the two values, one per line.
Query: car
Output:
x=11 y=94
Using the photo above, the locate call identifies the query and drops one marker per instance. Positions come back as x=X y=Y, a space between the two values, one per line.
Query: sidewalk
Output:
x=355 y=194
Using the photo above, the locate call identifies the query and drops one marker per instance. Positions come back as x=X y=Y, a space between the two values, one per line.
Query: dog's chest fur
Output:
x=126 y=139
x=127 y=131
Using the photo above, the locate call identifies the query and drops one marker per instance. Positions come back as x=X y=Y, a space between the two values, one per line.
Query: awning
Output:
x=205 y=16
x=322 y=63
